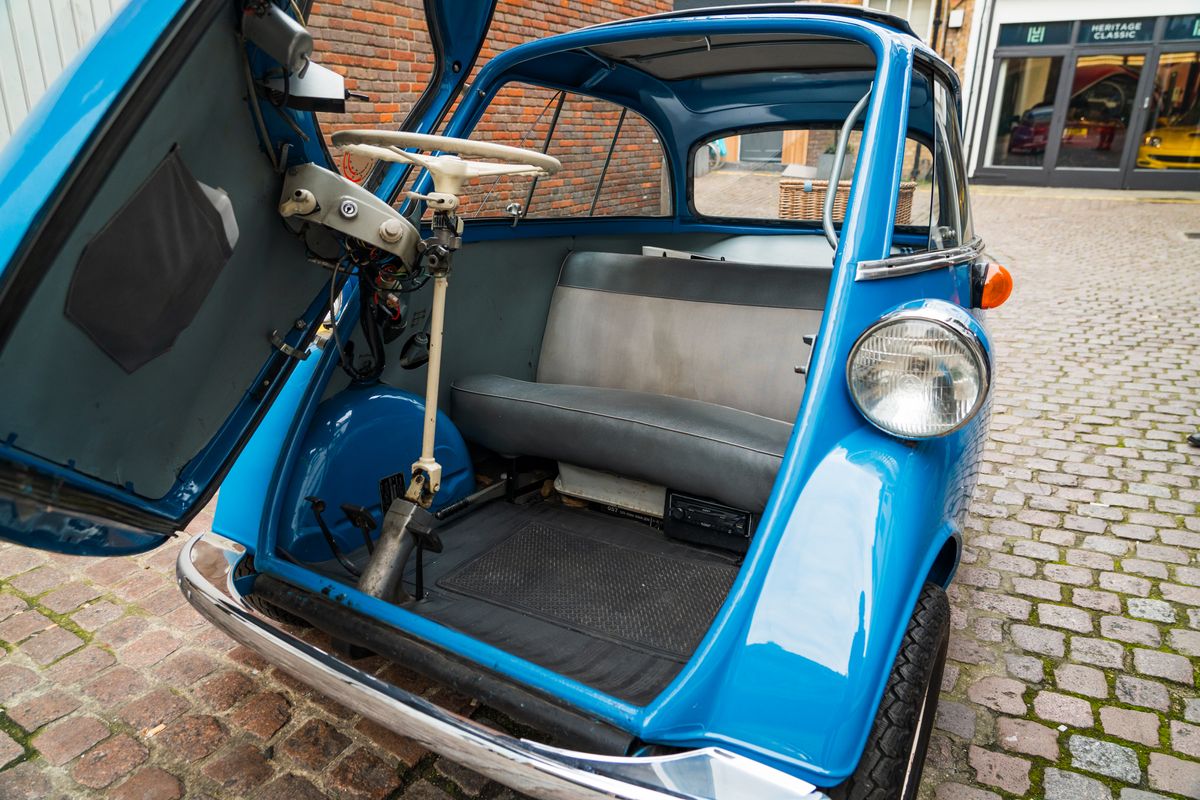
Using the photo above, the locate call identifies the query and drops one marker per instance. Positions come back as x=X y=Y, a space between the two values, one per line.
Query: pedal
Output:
x=360 y=518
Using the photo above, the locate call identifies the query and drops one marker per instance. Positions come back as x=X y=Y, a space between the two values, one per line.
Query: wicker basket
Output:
x=805 y=199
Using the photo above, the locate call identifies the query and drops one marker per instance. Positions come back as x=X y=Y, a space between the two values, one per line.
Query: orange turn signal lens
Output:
x=997 y=286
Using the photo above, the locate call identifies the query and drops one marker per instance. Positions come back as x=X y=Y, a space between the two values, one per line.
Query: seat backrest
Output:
x=716 y=331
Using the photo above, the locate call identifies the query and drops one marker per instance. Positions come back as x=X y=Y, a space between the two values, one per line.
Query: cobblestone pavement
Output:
x=1076 y=611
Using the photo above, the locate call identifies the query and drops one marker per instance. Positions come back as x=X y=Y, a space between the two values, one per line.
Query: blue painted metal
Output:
x=60 y=129
x=70 y=533
x=356 y=437
x=244 y=492
x=456 y=31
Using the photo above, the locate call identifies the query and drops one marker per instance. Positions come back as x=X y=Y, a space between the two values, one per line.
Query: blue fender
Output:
x=818 y=643
x=357 y=437
x=796 y=663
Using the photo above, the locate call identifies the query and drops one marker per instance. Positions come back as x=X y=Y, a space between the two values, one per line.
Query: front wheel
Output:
x=891 y=764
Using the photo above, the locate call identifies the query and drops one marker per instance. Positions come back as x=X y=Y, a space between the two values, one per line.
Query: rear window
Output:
x=613 y=161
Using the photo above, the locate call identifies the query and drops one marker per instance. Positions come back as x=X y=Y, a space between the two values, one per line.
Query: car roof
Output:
x=898 y=24
x=673 y=59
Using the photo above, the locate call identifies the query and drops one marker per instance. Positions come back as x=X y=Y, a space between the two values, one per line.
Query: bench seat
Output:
x=703 y=448
x=680 y=373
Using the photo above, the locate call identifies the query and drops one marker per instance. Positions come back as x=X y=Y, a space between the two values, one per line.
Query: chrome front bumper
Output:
x=205 y=570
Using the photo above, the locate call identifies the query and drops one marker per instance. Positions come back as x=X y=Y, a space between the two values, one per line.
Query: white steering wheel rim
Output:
x=449 y=144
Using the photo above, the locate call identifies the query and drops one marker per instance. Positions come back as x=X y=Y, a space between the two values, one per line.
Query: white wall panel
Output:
x=38 y=39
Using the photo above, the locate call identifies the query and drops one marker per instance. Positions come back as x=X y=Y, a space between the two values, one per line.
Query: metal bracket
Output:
x=809 y=339
x=281 y=162
x=291 y=352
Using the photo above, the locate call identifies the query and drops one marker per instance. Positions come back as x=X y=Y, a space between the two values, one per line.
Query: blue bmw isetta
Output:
x=642 y=402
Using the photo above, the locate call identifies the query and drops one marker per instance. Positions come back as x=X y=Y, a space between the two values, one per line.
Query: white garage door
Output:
x=38 y=39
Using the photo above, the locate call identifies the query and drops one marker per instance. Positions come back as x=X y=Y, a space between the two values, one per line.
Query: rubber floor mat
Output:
x=655 y=601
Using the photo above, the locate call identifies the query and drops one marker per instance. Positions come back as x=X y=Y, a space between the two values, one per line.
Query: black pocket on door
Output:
x=143 y=277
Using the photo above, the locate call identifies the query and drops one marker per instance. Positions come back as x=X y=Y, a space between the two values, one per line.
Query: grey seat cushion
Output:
x=701 y=448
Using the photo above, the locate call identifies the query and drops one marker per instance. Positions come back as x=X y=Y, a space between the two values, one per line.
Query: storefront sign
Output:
x=1106 y=31
x=1181 y=28
x=1035 y=33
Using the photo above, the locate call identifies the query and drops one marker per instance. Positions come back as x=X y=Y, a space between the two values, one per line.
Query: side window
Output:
x=951 y=224
x=613 y=163
x=784 y=175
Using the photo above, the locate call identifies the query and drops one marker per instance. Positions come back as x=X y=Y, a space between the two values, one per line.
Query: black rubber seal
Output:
x=566 y=726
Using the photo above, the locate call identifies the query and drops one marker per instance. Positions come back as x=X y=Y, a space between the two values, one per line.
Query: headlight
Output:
x=1152 y=141
x=917 y=376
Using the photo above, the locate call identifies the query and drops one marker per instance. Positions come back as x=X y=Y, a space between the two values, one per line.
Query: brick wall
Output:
x=382 y=46
x=953 y=42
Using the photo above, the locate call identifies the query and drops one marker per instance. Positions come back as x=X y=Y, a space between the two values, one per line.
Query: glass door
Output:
x=1170 y=139
x=1022 y=111
x=1099 y=109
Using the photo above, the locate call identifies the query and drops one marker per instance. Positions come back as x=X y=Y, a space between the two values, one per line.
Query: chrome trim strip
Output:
x=895 y=266
x=204 y=571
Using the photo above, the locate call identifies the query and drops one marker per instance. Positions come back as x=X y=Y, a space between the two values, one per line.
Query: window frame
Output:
x=970 y=245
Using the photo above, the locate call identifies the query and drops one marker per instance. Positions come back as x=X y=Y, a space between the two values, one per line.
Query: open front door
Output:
x=152 y=300
x=145 y=269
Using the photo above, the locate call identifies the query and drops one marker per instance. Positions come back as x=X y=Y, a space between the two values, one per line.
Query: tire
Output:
x=271 y=611
x=891 y=764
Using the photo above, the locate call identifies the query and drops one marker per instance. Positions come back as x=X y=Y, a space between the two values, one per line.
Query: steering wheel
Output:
x=449 y=171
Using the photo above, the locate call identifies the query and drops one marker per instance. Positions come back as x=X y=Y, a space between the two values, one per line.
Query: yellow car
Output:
x=1175 y=146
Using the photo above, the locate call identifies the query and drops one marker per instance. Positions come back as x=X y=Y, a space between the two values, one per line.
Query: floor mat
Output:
x=663 y=603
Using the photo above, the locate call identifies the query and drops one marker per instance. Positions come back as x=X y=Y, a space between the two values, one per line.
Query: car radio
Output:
x=700 y=521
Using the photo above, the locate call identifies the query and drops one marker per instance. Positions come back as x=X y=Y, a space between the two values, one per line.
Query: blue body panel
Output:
x=246 y=489
x=355 y=438
x=457 y=31
x=50 y=148
x=61 y=128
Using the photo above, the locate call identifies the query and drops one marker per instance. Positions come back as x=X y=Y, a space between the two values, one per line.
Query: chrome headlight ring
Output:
x=932 y=390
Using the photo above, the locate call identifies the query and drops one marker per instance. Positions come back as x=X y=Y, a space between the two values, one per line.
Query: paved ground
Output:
x=1076 y=611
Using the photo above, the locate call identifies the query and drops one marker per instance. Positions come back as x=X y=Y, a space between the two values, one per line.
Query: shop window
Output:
x=613 y=163
x=1021 y=114
x=1171 y=140
x=1102 y=95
